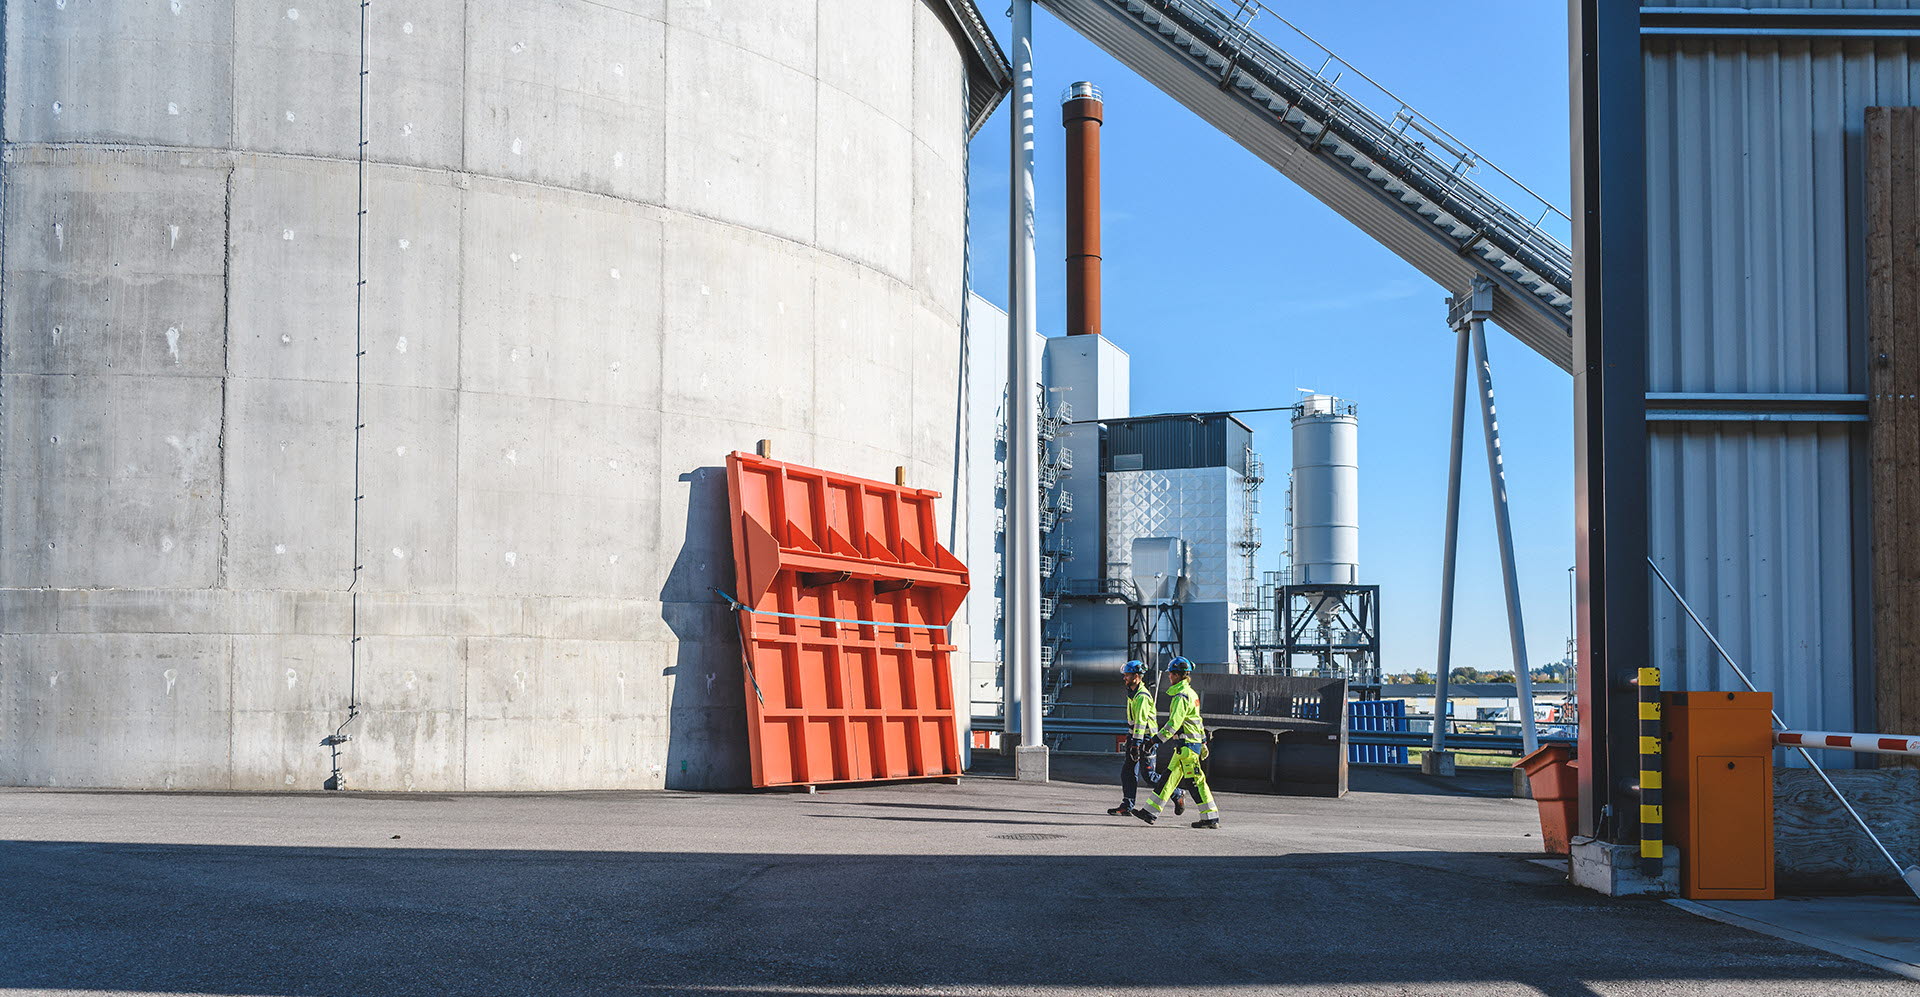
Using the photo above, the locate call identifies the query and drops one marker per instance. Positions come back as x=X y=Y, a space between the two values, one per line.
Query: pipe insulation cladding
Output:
x=606 y=244
x=1326 y=492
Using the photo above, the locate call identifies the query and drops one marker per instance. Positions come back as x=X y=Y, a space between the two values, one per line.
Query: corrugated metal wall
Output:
x=1177 y=441
x=1756 y=286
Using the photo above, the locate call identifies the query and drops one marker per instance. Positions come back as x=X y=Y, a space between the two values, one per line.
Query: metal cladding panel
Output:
x=1193 y=504
x=1753 y=251
x=1206 y=632
x=1530 y=321
x=1177 y=441
x=1159 y=568
x=1089 y=373
x=986 y=422
x=1082 y=482
x=844 y=597
x=1756 y=285
x=1754 y=524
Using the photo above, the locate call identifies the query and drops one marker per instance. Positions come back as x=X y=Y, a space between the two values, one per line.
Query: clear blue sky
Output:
x=1231 y=287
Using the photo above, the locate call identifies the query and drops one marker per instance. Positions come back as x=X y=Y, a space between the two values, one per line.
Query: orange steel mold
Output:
x=844 y=598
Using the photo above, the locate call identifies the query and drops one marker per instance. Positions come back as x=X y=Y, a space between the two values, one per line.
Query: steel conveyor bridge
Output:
x=1362 y=151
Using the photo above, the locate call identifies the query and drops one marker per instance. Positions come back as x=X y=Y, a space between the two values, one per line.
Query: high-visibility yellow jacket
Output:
x=1141 y=714
x=1183 y=715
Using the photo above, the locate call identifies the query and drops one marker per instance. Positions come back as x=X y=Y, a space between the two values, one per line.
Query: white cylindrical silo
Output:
x=1326 y=493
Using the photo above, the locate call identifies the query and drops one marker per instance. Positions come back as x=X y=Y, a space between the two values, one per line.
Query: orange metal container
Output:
x=1554 y=776
x=845 y=596
x=1719 y=792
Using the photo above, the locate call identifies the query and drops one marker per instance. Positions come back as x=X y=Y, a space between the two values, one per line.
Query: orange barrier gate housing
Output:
x=844 y=598
x=1720 y=792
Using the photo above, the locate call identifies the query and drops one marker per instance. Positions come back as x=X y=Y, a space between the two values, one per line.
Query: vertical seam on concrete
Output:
x=226 y=370
x=666 y=127
x=813 y=230
x=466 y=95
x=233 y=73
x=463 y=189
x=466 y=715
x=6 y=174
x=233 y=719
x=914 y=290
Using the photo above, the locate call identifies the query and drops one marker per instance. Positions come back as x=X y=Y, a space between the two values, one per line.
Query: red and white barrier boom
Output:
x=1878 y=744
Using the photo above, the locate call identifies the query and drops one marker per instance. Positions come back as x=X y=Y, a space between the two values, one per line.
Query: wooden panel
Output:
x=1893 y=381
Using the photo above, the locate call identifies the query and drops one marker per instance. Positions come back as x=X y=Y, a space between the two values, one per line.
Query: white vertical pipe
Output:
x=1023 y=486
x=1503 y=525
x=1443 y=657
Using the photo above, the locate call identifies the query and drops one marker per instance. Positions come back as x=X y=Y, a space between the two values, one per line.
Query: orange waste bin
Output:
x=1553 y=774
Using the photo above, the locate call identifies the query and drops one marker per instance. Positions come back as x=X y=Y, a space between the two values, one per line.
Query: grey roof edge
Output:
x=1157 y=416
x=989 y=74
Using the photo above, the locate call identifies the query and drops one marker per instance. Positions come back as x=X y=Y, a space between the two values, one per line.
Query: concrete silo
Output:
x=605 y=243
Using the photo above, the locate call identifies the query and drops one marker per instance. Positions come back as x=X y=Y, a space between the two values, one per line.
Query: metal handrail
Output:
x=1409 y=115
x=1336 y=109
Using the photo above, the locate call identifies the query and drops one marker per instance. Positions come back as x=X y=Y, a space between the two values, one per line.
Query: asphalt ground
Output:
x=987 y=887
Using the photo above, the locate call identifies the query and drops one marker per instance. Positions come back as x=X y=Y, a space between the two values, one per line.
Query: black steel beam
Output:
x=1609 y=388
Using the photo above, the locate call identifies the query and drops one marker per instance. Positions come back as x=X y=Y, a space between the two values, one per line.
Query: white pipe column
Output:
x=1023 y=430
x=1503 y=523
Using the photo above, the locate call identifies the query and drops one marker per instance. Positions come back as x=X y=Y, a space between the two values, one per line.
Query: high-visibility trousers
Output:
x=1185 y=765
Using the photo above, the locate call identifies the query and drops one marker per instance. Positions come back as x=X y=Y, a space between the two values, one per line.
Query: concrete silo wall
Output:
x=606 y=243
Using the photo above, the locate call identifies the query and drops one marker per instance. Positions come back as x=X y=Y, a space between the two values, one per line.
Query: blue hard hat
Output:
x=1180 y=665
x=1133 y=668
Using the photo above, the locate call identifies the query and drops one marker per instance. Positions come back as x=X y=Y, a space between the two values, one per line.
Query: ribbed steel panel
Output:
x=1756 y=286
x=1751 y=206
x=1177 y=441
x=1755 y=524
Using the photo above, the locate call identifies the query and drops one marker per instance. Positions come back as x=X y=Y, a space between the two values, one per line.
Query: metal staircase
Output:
x=1351 y=143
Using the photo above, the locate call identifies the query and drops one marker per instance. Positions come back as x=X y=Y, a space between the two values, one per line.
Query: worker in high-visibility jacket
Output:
x=1189 y=737
x=1138 y=764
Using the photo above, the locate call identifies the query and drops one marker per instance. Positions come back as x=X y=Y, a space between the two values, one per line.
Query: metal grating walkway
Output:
x=1362 y=151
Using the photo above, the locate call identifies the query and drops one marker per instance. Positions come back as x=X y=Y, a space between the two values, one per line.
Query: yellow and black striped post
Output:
x=1652 y=814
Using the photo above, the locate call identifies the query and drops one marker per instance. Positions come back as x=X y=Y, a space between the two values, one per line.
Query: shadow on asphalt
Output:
x=945 y=808
x=1104 y=770
x=322 y=921
x=961 y=820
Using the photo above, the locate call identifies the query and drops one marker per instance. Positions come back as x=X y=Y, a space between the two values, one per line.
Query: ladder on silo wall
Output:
x=1359 y=149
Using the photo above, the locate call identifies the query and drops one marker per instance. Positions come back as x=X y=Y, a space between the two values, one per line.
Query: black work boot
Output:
x=1123 y=810
x=1145 y=815
x=1211 y=823
x=1179 y=805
